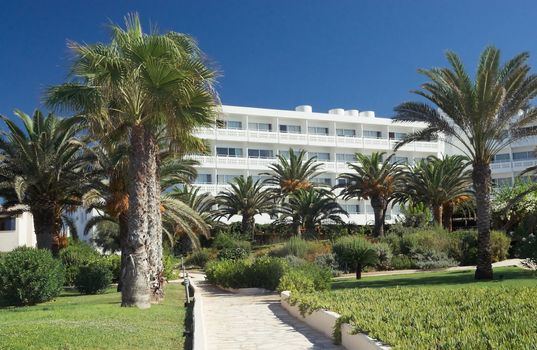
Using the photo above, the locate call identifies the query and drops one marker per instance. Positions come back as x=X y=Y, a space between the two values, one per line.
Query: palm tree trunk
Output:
x=379 y=210
x=245 y=225
x=156 y=278
x=135 y=290
x=447 y=220
x=123 y=235
x=482 y=181
x=437 y=214
x=46 y=227
x=358 y=271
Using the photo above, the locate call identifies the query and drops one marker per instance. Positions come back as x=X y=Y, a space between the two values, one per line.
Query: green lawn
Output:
x=503 y=277
x=446 y=311
x=74 y=321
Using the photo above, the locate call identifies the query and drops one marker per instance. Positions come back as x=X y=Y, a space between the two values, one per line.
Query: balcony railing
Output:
x=514 y=165
x=311 y=139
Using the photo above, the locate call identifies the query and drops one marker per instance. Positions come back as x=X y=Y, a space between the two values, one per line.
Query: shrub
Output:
x=296 y=280
x=198 y=258
x=402 y=262
x=499 y=245
x=355 y=252
x=295 y=246
x=170 y=263
x=224 y=240
x=233 y=253
x=113 y=262
x=93 y=278
x=394 y=241
x=327 y=261
x=431 y=259
x=384 y=255
x=77 y=254
x=434 y=239
x=464 y=246
x=29 y=276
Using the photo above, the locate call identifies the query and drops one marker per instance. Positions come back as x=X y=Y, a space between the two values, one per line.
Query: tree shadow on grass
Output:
x=446 y=279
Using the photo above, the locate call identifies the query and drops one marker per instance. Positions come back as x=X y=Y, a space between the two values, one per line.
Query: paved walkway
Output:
x=257 y=322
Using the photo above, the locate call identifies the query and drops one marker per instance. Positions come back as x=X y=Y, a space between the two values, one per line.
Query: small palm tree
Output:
x=289 y=175
x=309 y=209
x=439 y=183
x=247 y=199
x=375 y=179
x=480 y=118
x=44 y=168
x=355 y=251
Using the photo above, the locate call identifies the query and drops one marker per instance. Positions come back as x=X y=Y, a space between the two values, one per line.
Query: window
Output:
x=343 y=182
x=397 y=135
x=345 y=157
x=225 y=179
x=260 y=153
x=260 y=126
x=400 y=160
x=8 y=224
x=204 y=179
x=523 y=155
x=228 y=152
x=351 y=208
x=322 y=181
x=373 y=134
x=229 y=124
x=346 y=132
x=317 y=130
x=502 y=158
x=320 y=156
x=291 y=129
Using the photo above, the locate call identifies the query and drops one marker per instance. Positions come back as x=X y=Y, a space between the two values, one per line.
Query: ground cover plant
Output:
x=95 y=322
x=426 y=310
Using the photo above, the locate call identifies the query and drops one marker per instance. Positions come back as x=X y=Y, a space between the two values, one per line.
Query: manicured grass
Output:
x=437 y=310
x=503 y=277
x=74 y=321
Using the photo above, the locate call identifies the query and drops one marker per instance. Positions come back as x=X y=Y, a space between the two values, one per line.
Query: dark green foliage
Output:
x=113 y=262
x=384 y=255
x=75 y=255
x=29 y=276
x=294 y=246
x=198 y=258
x=431 y=259
x=171 y=267
x=263 y=272
x=402 y=262
x=233 y=253
x=224 y=240
x=306 y=278
x=93 y=278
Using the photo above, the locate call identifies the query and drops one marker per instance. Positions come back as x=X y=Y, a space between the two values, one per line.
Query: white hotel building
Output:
x=248 y=139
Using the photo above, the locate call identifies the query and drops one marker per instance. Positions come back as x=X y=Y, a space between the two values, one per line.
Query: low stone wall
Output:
x=197 y=319
x=324 y=321
x=246 y=291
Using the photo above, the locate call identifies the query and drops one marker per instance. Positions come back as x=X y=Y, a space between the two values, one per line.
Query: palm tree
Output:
x=147 y=86
x=289 y=175
x=480 y=118
x=441 y=183
x=247 y=199
x=373 y=179
x=44 y=168
x=310 y=208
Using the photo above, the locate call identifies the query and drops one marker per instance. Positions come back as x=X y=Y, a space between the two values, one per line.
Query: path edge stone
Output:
x=324 y=321
x=198 y=341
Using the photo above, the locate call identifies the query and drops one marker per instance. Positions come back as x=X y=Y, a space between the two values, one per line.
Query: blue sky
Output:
x=275 y=54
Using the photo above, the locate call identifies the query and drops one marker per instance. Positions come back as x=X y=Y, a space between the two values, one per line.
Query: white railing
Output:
x=349 y=141
x=376 y=143
x=322 y=139
x=516 y=165
x=292 y=138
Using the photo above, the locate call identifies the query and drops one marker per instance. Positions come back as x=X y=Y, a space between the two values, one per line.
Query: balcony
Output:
x=518 y=165
x=234 y=162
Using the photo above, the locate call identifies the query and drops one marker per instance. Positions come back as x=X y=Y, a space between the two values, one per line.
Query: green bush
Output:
x=113 y=262
x=328 y=261
x=75 y=255
x=499 y=245
x=171 y=267
x=198 y=258
x=394 y=241
x=384 y=255
x=29 y=276
x=295 y=246
x=306 y=278
x=402 y=262
x=93 y=278
x=354 y=253
x=233 y=253
x=226 y=241
x=427 y=259
x=464 y=246
x=434 y=239
x=447 y=318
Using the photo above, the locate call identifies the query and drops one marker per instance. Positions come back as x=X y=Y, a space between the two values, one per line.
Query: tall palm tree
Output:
x=44 y=167
x=289 y=175
x=246 y=198
x=439 y=183
x=373 y=178
x=311 y=208
x=480 y=118
x=146 y=86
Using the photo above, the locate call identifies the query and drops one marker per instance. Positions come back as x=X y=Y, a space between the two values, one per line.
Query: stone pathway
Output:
x=258 y=322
